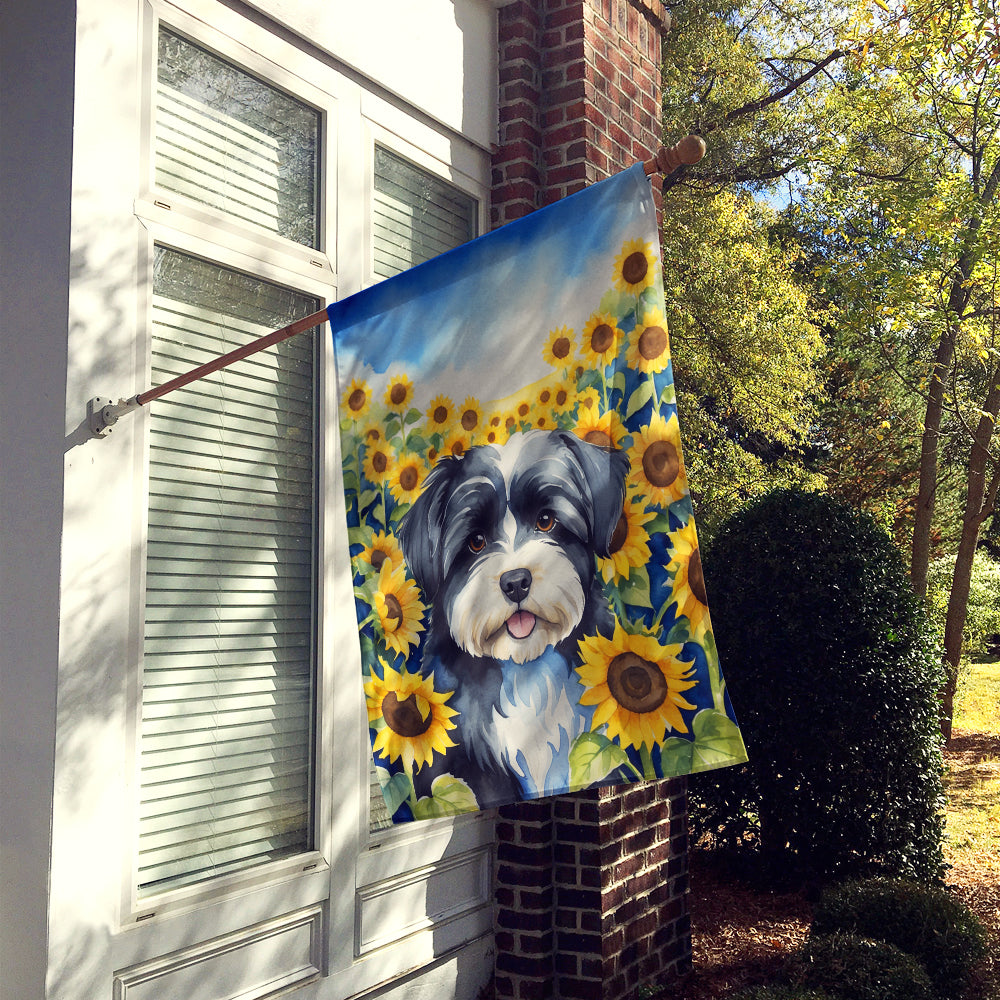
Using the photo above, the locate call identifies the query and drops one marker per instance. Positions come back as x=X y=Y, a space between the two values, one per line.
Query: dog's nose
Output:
x=515 y=584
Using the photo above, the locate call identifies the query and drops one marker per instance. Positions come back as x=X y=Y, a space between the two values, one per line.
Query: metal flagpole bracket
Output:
x=103 y=413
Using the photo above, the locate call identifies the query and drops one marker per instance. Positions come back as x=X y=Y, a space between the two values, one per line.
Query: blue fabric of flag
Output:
x=531 y=608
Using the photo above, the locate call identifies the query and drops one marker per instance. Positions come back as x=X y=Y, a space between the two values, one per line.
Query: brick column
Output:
x=591 y=889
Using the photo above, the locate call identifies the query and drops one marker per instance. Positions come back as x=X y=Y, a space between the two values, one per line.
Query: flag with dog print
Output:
x=530 y=601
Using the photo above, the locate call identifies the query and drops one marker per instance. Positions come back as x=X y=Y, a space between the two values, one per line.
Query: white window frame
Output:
x=352 y=874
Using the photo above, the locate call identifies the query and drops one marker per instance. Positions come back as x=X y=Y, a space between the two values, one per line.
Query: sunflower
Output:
x=406 y=478
x=399 y=395
x=635 y=267
x=589 y=399
x=603 y=429
x=521 y=411
x=382 y=549
x=357 y=399
x=398 y=607
x=656 y=460
x=378 y=461
x=600 y=340
x=496 y=435
x=417 y=720
x=636 y=684
x=558 y=349
x=457 y=443
x=440 y=413
x=689 y=580
x=563 y=397
x=629 y=541
x=470 y=415
x=649 y=346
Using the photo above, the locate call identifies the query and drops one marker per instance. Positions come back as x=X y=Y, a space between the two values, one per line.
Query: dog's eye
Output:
x=546 y=521
x=477 y=541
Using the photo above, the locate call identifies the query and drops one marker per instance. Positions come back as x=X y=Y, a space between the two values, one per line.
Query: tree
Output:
x=913 y=185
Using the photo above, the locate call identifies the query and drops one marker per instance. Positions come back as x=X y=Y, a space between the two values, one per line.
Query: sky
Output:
x=494 y=300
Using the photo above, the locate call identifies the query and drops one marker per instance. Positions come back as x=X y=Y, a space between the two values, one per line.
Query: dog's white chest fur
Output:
x=540 y=696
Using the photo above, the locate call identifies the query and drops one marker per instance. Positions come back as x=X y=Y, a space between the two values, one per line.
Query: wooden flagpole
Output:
x=102 y=413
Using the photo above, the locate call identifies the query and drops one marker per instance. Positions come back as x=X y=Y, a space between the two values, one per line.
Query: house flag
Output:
x=531 y=607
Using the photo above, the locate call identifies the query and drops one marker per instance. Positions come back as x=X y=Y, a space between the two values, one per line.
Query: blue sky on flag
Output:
x=545 y=263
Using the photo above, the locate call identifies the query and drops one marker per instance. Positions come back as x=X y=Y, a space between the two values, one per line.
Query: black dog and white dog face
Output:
x=502 y=542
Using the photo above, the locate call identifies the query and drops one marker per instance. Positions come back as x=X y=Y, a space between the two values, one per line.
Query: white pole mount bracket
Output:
x=103 y=413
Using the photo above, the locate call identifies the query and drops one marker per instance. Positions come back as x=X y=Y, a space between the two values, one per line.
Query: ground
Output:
x=741 y=935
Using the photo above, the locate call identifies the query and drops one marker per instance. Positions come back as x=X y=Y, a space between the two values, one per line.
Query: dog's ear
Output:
x=604 y=472
x=421 y=529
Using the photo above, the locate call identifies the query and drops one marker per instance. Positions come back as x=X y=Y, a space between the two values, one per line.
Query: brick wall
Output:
x=591 y=889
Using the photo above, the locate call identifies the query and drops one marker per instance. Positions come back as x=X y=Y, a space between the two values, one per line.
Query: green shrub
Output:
x=833 y=673
x=982 y=619
x=856 y=968
x=925 y=922
x=782 y=993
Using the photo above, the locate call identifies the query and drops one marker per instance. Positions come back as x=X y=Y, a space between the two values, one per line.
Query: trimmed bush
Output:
x=834 y=674
x=856 y=968
x=925 y=922
x=782 y=993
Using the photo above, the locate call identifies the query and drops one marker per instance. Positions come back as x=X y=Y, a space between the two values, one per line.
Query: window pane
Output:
x=228 y=679
x=228 y=140
x=417 y=215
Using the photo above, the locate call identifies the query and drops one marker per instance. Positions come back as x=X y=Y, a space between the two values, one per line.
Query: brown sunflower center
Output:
x=636 y=684
x=661 y=463
x=561 y=397
x=544 y=396
x=380 y=461
x=601 y=438
x=397 y=394
x=440 y=414
x=560 y=348
x=457 y=449
x=652 y=342
x=696 y=578
x=379 y=557
x=619 y=535
x=393 y=610
x=403 y=716
x=523 y=410
x=356 y=400
x=635 y=267
x=601 y=338
x=469 y=419
x=408 y=478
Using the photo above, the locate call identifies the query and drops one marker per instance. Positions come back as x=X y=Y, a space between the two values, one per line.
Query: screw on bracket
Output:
x=103 y=413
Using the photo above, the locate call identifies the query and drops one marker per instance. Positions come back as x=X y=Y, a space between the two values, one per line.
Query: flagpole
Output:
x=103 y=413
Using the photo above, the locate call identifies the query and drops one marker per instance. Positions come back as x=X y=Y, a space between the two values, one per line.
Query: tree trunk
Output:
x=920 y=553
x=979 y=500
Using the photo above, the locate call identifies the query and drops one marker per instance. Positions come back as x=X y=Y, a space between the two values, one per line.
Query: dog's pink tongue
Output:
x=520 y=624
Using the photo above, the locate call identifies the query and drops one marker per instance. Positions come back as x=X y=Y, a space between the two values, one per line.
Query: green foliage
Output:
x=857 y=968
x=834 y=674
x=983 y=611
x=924 y=921
x=780 y=992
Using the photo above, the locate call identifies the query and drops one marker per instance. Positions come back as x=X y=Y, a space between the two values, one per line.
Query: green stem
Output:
x=646 y=757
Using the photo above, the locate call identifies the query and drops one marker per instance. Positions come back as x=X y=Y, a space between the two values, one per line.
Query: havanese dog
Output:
x=502 y=543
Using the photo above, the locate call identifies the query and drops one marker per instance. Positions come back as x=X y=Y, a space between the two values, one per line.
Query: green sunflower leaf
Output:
x=649 y=299
x=351 y=481
x=676 y=757
x=642 y=395
x=592 y=757
x=660 y=525
x=679 y=634
x=358 y=535
x=398 y=511
x=412 y=417
x=396 y=788
x=669 y=395
x=635 y=590
x=449 y=797
x=618 y=381
x=717 y=741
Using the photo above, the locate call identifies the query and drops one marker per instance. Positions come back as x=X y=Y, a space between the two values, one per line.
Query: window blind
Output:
x=416 y=215
x=228 y=140
x=228 y=678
